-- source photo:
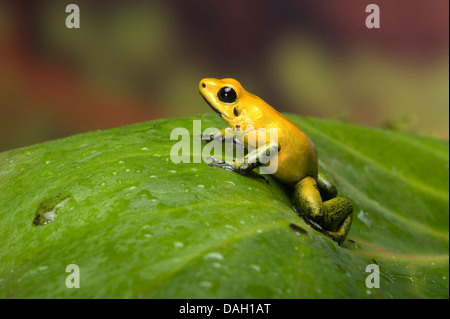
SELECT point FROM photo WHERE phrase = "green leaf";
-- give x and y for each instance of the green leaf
(138, 225)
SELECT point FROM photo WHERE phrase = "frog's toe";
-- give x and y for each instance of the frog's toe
(340, 235)
(222, 164)
(206, 138)
(255, 174)
(214, 160)
(239, 168)
(263, 178)
(218, 163)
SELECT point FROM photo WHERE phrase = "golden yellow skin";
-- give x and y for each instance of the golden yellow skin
(297, 157)
(313, 194)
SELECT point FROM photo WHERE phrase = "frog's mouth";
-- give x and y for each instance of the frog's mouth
(210, 105)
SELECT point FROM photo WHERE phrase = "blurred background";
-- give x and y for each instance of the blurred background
(133, 61)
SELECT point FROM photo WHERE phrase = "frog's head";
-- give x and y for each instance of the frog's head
(228, 98)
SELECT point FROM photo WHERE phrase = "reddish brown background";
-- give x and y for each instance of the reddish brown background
(134, 61)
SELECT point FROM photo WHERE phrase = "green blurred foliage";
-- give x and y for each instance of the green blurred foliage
(363, 86)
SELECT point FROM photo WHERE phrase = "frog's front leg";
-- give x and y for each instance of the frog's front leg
(334, 216)
(225, 135)
(250, 161)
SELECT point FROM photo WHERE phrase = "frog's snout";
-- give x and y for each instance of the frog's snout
(207, 84)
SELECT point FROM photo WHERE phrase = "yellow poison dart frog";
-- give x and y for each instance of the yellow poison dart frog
(313, 195)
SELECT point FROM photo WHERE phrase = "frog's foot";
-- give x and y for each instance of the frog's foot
(334, 216)
(220, 138)
(209, 137)
(335, 211)
(340, 235)
(221, 164)
(245, 169)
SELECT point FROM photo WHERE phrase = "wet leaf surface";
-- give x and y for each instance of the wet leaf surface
(140, 226)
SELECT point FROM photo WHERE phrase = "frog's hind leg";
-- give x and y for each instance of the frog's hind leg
(334, 216)
(326, 188)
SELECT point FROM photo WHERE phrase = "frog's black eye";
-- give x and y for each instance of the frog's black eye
(227, 95)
